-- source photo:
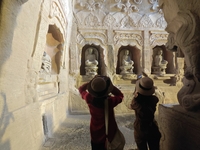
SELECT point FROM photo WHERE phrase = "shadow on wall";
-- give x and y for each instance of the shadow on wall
(7, 27)
(5, 117)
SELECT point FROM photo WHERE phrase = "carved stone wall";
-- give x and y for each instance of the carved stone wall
(113, 25)
(26, 96)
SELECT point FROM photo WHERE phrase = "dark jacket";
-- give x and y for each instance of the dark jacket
(145, 107)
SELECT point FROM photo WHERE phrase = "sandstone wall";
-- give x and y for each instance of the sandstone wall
(110, 26)
(31, 106)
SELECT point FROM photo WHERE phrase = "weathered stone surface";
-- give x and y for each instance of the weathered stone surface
(180, 128)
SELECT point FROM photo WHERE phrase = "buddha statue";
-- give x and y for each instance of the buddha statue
(126, 63)
(91, 61)
(159, 64)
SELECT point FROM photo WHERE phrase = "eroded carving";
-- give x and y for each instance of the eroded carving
(92, 21)
(46, 64)
(56, 12)
(184, 33)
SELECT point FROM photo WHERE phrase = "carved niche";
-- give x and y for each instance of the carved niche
(95, 67)
(134, 56)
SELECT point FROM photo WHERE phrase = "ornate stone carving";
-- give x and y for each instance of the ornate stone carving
(161, 23)
(110, 21)
(184, 33)
(92, 21)
(128, 7)
(56, 12)
(158, 38)
(100, 36)
(128, 36)
(91, 5)
(154, 4)
(146, 22)
(128, 22)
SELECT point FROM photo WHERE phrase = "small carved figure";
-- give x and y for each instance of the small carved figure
(159, 64)
(127, 63)
(91, 62)
(158, 59)
(91, 59)
(46, 63)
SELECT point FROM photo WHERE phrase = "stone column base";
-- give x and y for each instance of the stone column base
(180, 129)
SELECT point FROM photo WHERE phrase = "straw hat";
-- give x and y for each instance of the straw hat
(145, 86)
(100, 86)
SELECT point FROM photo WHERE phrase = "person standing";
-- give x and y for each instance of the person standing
(95, 93)
(146, 131)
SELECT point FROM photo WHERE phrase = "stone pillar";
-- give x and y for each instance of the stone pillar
(146, 59)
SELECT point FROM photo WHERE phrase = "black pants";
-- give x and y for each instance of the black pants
(98, 146)
(150, 138)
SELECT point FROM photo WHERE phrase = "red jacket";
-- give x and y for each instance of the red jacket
(97, 122)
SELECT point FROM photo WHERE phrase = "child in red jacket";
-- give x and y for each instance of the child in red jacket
(95, 93)
(144, 103)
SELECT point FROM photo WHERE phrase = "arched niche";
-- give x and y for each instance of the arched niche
(168, 56)
(99, 55)
(54, 48)
(135, 55)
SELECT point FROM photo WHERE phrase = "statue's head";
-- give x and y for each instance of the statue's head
(126, 51)
(159, 52)
(90, 50)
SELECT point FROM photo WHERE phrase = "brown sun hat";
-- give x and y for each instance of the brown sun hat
(145, 86)
(100, 86)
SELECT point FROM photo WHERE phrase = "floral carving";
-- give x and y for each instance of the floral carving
(128, 36)
(92, 21)
(146, 22)
(127, 22)
(128, 7)
(155, 38)
(155, 5)
(109, 21)
(92, 5)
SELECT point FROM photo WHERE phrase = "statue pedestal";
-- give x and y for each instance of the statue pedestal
(92, 70)
(159, 70)
(126, 70)
(180, 129)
